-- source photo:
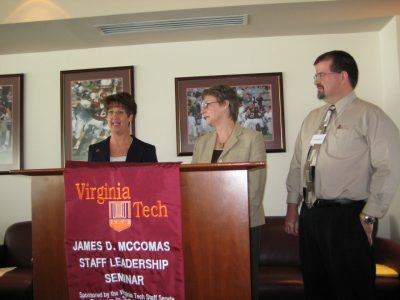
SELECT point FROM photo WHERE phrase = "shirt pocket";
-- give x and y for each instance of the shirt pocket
(345, 143)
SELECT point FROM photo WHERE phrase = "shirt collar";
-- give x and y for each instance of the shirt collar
(342, 103)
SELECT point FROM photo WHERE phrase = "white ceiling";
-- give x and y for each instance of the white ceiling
(56, 27)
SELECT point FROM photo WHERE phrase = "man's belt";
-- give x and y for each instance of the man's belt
(337, 202)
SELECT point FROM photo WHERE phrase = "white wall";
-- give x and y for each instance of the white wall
(156, 66)
(390, 54)
(15, 203)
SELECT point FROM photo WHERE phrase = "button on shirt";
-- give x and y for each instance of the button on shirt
(359, 158)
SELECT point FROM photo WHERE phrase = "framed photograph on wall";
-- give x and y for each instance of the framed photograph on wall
(83, 117)
(11, 122)
(261, 108)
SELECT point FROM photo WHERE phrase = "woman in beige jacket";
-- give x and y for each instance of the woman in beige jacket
(232, 143)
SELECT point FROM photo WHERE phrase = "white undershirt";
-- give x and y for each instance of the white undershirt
(117, 158)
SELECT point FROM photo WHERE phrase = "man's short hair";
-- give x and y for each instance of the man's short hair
(341, 61)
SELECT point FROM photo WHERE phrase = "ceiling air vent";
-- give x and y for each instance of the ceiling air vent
(202, 22)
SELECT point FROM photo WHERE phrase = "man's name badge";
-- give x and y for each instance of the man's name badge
(317, 139)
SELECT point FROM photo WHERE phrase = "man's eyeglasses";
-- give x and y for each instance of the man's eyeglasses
(322, 75)
(204, 105)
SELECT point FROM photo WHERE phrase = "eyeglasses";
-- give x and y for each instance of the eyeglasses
(117, 112)
(322, 75)
(204, 105)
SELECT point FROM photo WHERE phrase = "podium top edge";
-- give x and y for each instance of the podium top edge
(223, 166)
(183, 168)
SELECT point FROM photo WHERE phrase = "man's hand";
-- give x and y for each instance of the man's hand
(368, 228)
(292, 219)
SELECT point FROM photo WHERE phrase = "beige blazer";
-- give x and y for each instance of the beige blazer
(244, 145)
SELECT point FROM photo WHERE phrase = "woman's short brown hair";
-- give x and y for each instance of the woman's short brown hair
(123, 98)
(224, 92)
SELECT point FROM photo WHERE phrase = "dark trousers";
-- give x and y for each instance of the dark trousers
(255, 239)
(337, 260)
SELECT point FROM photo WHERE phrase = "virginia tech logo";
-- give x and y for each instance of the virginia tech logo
(119, 215)
(119, 202)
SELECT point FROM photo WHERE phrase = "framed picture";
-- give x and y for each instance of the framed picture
(11, 118)
(83, 117)
(261, 108)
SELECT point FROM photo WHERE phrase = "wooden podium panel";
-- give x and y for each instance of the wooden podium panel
(49, 265)
(215, 232)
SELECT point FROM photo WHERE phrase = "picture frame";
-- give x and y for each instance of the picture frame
(11, 122)
(83, 116)
(261, 97)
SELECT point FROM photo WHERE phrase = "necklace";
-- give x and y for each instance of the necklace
(220, 145)
(120, 149)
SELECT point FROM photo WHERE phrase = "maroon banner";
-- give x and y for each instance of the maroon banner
(123, 235)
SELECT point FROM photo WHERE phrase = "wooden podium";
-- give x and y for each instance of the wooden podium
(215, 231)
